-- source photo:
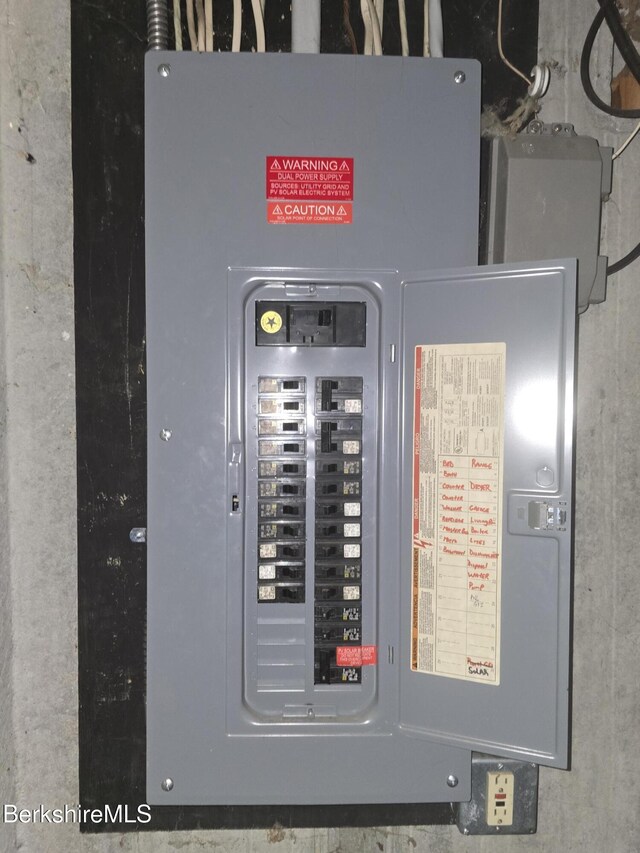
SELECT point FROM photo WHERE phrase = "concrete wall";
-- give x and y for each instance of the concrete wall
(7, 752)
(38, 563)
(592, 808)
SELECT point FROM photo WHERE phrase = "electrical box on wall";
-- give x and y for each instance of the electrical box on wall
(359, 444)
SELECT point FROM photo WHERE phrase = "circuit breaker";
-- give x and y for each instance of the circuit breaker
(359, 443)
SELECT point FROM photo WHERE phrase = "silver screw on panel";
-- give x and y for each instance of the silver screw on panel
(138, 534)
(557, 128)
(167, 784)
(165, 434)
(164, 70)
(459, 77)
(452, 781)
(535, 126)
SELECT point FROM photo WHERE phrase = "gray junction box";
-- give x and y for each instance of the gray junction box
(359, 467)
(546, 190)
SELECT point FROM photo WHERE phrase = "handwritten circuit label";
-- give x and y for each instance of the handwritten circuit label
(310, 190)
(356, 655)
(458, 458)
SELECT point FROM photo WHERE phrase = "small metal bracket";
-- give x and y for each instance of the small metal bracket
(471, 817)
(547, 515)
(537, 515)
(540, 128)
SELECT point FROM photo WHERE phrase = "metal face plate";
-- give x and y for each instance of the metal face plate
(473, 816)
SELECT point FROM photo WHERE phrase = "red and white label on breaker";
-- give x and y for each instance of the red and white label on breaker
(310, 190)
(356, 655)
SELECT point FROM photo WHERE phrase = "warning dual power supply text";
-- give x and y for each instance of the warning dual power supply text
(359, 442)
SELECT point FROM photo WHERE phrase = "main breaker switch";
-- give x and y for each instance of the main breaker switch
(311, 324)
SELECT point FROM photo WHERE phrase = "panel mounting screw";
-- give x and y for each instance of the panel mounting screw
(535, 126)
(165, 434)
(167, 784)
(500, 766)
(452, 781)
(557, 128)
(138, 534)
(459, 77)
(164, 70)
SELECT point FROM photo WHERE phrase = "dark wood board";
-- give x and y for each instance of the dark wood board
(108, 44)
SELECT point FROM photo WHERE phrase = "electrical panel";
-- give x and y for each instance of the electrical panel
(359, 443)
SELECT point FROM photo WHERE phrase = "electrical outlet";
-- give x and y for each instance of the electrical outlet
(500, 794)
(497, 780)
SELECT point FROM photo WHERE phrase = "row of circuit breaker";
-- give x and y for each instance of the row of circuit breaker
(335, 431)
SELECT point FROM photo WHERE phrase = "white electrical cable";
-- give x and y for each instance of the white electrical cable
(380, 13)
(627, 141)
(501, 52)
(436, 46)
(426, 51)
(305, 26)
(191, 25)
(404, 36)
(200, 11)
(208, 25)
(237, 25)
(177, 24)
(366, 20)
(258, 20)
(375, 29)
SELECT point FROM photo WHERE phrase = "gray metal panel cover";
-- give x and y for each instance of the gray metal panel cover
(210, 125)
(414, 135)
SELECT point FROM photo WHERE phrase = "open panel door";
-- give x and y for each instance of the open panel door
(486, 508)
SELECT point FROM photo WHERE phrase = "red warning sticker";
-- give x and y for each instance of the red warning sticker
(310, 212)
(310, 178)
(356, 655)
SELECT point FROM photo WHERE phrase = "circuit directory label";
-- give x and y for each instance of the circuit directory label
(458, 458)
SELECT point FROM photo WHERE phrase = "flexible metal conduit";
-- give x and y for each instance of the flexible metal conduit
(157, 25)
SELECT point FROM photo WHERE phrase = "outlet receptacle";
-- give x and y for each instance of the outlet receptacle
(500, 793)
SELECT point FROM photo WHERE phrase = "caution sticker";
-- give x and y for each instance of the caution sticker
(309, 213)
(271, 322)
(310, 190)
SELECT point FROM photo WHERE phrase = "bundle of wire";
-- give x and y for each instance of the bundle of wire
(200, 24)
